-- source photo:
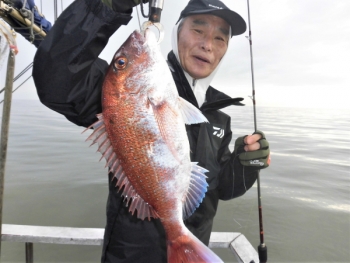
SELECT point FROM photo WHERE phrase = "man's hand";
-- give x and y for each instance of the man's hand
(253, 150)
(122, 5)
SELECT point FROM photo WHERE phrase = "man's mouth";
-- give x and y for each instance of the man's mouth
(202, 59)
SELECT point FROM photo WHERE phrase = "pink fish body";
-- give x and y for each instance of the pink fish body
(141, 133)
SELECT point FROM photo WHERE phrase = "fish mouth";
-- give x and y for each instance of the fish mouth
(139, 36)
(150, 37)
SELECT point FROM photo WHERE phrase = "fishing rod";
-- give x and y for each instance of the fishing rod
(262, 249)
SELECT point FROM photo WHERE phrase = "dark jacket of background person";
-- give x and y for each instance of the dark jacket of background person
(68, 76)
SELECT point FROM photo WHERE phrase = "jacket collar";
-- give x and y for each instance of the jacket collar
(215, 100)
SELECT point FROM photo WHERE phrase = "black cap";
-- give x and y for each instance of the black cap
(216, 8)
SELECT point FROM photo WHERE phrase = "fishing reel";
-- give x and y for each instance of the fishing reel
(155, 11)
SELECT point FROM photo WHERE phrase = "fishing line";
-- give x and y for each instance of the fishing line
(246, 224)
(138, 17)
(143, 12)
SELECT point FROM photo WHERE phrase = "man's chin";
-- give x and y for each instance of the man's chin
(197, 75)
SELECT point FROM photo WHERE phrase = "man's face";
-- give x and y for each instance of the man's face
(202, 42)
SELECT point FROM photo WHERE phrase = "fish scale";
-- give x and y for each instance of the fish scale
(139, 137)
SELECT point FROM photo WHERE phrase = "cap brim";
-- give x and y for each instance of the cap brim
(237, 23)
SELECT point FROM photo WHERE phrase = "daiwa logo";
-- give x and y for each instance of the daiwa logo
(217, 7)
(218, 132)
(256, 162)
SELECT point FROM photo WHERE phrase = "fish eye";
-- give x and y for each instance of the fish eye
(120, 63)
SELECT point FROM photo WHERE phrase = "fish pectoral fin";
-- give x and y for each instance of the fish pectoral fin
(164, 116)
(196, 191)
(190, 113)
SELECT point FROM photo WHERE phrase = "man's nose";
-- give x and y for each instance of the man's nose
(207, 44)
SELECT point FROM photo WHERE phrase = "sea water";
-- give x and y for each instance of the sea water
(53, 178)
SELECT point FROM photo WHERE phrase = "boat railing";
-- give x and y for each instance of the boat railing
(27, 234)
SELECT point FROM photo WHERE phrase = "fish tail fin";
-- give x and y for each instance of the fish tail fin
(189, 249)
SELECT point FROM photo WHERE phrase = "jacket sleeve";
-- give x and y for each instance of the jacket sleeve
(67, 72)
(234, 178)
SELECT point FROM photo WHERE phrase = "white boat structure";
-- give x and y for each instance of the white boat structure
(236, 242)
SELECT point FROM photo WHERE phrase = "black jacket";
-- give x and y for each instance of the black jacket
(68, 76)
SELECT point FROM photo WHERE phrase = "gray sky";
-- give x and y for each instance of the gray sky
(300, 48)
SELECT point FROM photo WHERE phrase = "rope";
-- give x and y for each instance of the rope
(17, 87)
(24, 4)
(18, 76)
(23, 71)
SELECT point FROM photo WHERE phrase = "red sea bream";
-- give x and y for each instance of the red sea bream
(141, 133)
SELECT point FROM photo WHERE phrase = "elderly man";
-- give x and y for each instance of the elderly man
(68, 75)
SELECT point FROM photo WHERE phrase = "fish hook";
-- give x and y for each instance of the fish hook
(155, 11)
(159, 26)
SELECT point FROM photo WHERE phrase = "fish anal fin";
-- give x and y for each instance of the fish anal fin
(144, 210)
(196, 191)
(190, 113)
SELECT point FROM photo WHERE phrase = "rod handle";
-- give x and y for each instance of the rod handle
(262, 251)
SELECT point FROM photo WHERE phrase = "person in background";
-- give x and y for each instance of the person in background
(68, 76)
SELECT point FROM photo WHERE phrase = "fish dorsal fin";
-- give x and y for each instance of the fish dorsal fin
(190, 113)
(196, 191)
(100, 136)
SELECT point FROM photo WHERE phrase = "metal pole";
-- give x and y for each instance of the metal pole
(262, 249)
(5, 127)
(55, 8)
(29, 253)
